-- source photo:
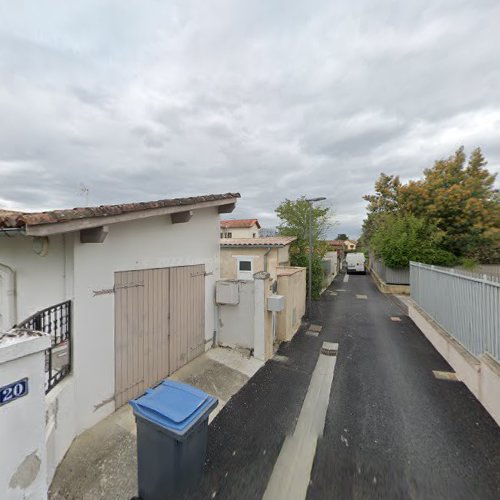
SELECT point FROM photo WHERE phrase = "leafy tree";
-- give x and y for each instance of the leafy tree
(402, 238)
(387, 195)
(294, 217)
(300, 257)
(342, 237)
(459, 198)
(294, 221)
(385, 200)
(456, 197)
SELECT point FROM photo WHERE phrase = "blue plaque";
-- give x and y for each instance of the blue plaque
(13, 391)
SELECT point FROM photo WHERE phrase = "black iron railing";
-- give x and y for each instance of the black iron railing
(56, 321)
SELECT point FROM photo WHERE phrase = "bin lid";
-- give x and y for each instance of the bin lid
(173, 405)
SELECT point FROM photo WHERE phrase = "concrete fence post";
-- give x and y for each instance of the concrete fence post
(262, 335)
(22, 415)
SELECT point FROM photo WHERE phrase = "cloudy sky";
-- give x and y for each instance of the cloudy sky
(139, 100)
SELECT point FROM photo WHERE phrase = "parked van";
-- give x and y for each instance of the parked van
(355, 263)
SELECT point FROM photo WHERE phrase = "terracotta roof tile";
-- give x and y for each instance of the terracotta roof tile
(274, 241)
(244, 223)
(14, 219)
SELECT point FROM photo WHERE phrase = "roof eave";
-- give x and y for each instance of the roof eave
(243, 245)
(91, 222)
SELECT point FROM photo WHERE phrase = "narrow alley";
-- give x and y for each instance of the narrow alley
(393, 430)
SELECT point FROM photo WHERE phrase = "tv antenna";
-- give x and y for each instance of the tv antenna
(84, 191)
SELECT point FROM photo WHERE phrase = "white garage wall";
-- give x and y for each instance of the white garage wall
(145, 244)
(40, 281)
(72, 270)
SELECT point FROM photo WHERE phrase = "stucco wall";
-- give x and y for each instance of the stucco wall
(284, 256)
(72, 270)
(276, 257)
(291, 284)
(145, 244)
(60, 424)
(228, 261)
(248, 324)
(22, 422)
(236, 322)
(241, 232)
(40, 281)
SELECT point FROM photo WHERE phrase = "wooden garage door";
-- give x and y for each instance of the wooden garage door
(187, 314)
(159, 325)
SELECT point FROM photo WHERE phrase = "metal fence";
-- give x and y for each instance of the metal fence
(465, 304)
(390, 275)
(56, 321)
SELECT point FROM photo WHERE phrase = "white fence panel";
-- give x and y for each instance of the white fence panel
(465, 304)
(390, 275)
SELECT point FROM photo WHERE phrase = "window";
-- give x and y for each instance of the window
(244, 268)
(229, 235)
(245, 265)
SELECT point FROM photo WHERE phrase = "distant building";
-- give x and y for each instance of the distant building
(350, 245)
(241, 258)
(337, 245)
(342, 246)
(242, 228)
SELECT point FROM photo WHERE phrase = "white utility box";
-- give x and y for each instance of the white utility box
(227, 292)
(276, 303)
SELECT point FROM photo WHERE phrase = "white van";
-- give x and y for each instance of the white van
(355, 263)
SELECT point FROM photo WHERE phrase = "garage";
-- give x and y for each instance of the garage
(159, 325)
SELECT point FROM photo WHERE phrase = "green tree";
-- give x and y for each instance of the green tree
(342, 237)
(386, 199)
(400, 239)
(459, 198)
(294, 221)
(456, 197)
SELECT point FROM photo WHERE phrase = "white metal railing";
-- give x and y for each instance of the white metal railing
(465, 304)
(390, 275)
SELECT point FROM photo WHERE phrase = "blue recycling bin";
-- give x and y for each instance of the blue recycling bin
(172, 428)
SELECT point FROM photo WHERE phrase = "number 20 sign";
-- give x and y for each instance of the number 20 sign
(13, 391)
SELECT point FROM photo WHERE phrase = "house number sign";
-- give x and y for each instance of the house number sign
(13, 391)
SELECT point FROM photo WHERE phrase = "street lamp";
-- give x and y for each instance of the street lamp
(309, 295)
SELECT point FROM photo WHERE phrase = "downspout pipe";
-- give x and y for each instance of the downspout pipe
(265, 258)
(11, 318)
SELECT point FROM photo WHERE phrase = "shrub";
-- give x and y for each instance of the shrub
(399, 239)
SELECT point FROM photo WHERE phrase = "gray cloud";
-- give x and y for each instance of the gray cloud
(273, 99)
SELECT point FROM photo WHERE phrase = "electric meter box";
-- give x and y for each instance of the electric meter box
(276, 303)
(227, 292)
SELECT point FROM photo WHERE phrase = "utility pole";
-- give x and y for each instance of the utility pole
(309, 294)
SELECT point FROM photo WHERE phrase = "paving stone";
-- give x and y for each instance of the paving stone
(311, 333)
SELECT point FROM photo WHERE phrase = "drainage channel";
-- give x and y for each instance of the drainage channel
(292, 470)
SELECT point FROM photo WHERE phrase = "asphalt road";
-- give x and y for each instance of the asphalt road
(392, 429)
(245, 438)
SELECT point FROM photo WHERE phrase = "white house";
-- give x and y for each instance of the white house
(239, 228)
(126, 292)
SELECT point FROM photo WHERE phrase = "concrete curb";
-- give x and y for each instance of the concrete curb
(480, 374)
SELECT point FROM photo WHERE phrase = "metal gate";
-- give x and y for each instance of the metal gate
(159, 325)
